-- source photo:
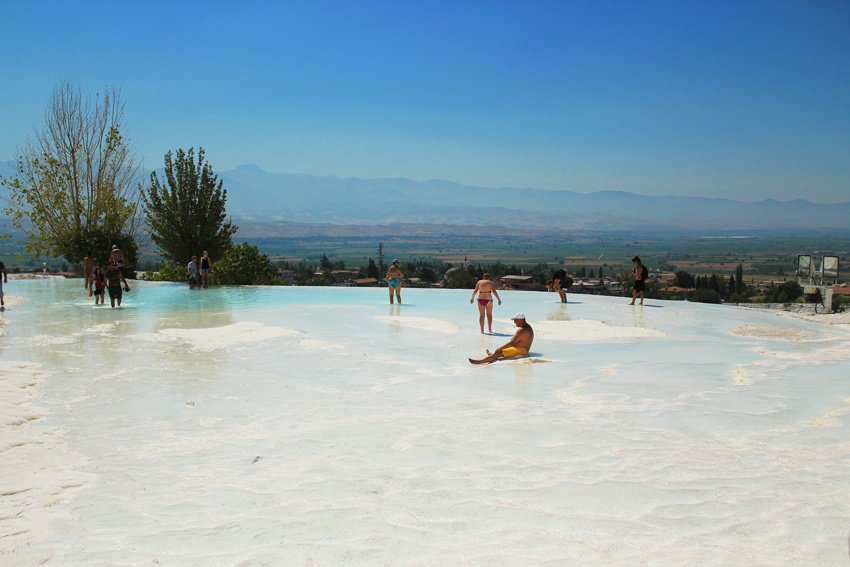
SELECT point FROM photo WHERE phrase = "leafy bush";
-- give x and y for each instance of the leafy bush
(243, 264)
(784, 293)
(704, 295)
(840, 303)
(167, 273)
(459, 278)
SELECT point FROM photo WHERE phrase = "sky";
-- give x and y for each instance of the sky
(746, 99)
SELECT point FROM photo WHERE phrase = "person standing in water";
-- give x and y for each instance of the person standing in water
(394, 276)
(192, 270)
(114, 279)
(205, 269)
(485, 290)
(3, 279)
(518, 346)
(641, 273)
(98, 285)
(88, 274)
(559, 280)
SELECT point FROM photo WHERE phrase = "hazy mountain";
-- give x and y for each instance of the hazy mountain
(254, 194)
(259, 198)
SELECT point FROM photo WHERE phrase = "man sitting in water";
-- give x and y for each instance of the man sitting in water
(517, 346)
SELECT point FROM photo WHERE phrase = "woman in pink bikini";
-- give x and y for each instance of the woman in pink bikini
(486, 290)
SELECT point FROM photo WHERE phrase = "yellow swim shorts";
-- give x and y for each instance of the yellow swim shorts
(511, 352)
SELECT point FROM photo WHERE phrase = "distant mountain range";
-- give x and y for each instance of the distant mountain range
(260, 198)
(254, 194)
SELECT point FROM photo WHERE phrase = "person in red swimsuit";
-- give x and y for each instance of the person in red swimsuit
(485, 290)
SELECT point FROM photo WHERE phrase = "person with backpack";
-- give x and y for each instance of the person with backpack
(641, 273)
(560, 284)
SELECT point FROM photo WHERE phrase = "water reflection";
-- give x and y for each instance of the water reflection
(559, 313)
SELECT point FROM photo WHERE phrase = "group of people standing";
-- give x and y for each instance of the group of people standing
(199, 271)
(520, 343)
(100, 280)
(485, 289)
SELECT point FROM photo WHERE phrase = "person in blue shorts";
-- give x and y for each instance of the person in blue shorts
(394, 277)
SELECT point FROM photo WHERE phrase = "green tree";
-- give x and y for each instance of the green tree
(739, 279)
(704, 295)
(77, 183)
(243, 264)
(97, 243)
(427, 274)
(372, 270)
(684, 279)
(785, 292)
(713, 283)
(187, 214)
(459, 278)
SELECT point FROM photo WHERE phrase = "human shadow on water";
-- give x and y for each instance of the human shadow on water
(498, 334)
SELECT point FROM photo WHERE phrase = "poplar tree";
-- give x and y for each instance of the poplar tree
(186, 214)
(739, 279)
(372, 270)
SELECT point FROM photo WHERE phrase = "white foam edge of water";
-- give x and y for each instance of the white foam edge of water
(213, 338)
(421, 323)
(590, 330)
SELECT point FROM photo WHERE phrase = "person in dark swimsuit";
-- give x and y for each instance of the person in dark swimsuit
(205, 269)
(641, 273)
(486, 289)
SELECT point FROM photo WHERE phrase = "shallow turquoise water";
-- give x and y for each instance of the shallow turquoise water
(324, 426)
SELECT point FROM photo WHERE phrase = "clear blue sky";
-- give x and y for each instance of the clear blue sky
(739, 99)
